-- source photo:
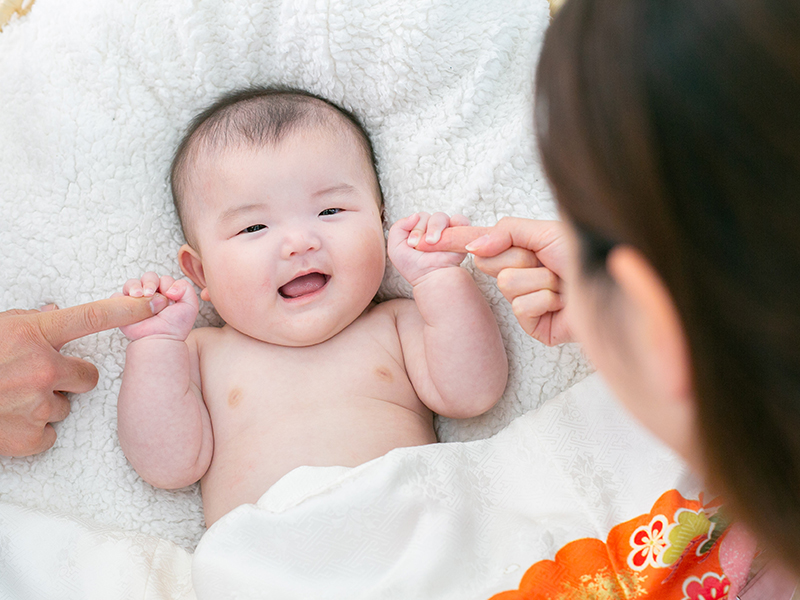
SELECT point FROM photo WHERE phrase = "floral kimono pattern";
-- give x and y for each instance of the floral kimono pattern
(681, 550)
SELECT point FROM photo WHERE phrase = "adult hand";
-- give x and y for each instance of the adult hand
(34, 376)
(528, 258)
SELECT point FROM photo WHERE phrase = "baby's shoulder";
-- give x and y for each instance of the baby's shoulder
(393, 308)
(396, 317)
(205, 332)
(205, 337)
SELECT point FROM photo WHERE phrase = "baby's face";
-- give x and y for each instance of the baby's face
(290, 237)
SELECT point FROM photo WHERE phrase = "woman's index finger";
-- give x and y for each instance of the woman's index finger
(454, 239)
(530, 234)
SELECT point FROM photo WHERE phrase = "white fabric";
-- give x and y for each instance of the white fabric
(458, 521)
(300, 484)
(454, 521)
(49, 556)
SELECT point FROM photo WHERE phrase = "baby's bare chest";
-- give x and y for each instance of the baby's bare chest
(358, 372)
(344, 402)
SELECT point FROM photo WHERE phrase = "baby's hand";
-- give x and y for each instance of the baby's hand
(406, 233)
(176, 320)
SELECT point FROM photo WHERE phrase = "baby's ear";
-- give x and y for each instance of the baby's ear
(192, 266)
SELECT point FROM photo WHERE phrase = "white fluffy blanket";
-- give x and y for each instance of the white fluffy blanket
(93, 99)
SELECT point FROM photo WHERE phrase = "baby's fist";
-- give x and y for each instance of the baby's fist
(176, 320)
(406, 233)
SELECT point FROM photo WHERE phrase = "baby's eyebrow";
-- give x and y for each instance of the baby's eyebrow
(339, 188)
(237, 210)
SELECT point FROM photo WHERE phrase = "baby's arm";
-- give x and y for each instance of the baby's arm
(451, 342)
(164, 426)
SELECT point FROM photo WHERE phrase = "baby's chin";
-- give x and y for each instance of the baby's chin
(295, 337)
(297, 341)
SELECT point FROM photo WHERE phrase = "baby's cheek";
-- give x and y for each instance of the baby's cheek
(374, 256)
(237, 292)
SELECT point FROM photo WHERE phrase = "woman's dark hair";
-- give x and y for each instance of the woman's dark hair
(674, 126)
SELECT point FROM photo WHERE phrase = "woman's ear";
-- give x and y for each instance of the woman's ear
(661, 337)
(192, 266)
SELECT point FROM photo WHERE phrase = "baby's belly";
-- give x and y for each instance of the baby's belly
(251, 454)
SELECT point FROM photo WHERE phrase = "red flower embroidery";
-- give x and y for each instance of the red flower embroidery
(711, 587)
(648, 543)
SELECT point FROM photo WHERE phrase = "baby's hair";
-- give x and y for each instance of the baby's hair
(256, 117)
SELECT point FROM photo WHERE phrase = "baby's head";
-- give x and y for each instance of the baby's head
(279, 200)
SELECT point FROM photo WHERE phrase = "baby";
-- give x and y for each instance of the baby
(281, 208)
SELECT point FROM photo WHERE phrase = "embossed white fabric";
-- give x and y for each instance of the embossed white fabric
(456, 521)
(50, 556)
(459, 521)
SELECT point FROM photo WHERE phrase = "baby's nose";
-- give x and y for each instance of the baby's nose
(299, 241)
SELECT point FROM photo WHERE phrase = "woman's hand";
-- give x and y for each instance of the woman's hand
(34, 375)
(528, 258)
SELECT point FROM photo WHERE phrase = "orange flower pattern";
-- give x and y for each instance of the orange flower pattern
(671, 553)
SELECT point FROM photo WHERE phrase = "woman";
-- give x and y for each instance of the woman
(670, 131)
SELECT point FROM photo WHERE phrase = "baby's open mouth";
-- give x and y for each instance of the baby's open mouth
(304, 285)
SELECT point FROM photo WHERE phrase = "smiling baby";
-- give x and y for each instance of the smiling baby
(281, 207)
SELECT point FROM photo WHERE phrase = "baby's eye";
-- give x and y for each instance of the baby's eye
(330, 211)
(253, 228)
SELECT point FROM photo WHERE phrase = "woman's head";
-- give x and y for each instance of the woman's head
(670, 131)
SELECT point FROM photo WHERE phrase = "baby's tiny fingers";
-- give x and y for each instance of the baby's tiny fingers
(177, 289)
(436, 224)
(518, 282)
(182, 291)
(459, 221)
(150, 283)
(133, 287)
(407, 223)
(419, 229)
(165, 283)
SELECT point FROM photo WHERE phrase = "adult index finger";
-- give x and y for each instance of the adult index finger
(517, 232)
(61, 326)
(454, 239)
